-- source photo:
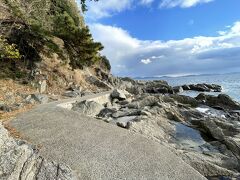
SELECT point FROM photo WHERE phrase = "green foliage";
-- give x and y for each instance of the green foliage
(8, 51)
(45, 19)
(65, 26)
(106, 62)
(84, 51)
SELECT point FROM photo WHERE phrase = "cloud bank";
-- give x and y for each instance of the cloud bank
(130, 56)
(106, 8)
(182, 3)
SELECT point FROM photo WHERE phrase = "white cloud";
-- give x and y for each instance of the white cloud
(146, 2)
(129, 55)
(146, 61)
(105, 8)
(182, 3)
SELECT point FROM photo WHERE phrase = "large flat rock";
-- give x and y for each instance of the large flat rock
(97, 150)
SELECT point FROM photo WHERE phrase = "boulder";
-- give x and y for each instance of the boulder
(107, 112)
(143, 102)
(186, 87)
(214, 87)
(199, 87)
(222, 100)
(73, 94)
(124, 124)
(159, 86)
(126, 112)
(118, 94)
(40, 98)
(203, 87)
(177, 89)
(37, 98)
(89, 108)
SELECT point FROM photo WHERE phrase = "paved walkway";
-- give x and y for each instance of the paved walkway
(98, 150)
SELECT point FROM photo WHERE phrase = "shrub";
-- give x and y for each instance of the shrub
(8, 51)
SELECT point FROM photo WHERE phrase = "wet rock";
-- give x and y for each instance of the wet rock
(186, 88)
(199, 87)
(90, 108)
(214, 87)
(177, 89)
(203, 87)
(222, 100)
(118, 94)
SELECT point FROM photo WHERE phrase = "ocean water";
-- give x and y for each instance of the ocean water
(229, 82)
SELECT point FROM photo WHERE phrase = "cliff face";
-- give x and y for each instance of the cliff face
(53, 44)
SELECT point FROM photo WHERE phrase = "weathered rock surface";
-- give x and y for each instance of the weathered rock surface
(203, 87)
(37, 98)
(178, 89)
(222, 100)
(118, 94)
(101, 84)
(73, 94)
(185, 100)
(90, 108)
(19, 160)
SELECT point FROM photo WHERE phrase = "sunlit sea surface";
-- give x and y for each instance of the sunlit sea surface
(229, 82)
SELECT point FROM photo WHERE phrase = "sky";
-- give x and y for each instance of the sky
(146, 38)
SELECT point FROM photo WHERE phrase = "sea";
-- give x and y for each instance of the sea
(229, 82)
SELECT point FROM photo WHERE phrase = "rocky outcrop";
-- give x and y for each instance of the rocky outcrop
(178, 89)
(203, 87)
(19, 160)
(37, 98)
(222, 100)
(99, 83)
(185, 100)
(90, 108)
(118, 94)
(159, 86)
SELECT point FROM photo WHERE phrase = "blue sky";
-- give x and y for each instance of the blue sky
(168, 37)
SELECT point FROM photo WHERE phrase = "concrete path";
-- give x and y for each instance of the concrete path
(98, 150)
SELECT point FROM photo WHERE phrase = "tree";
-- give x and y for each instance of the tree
(84, 51)
(84, 6)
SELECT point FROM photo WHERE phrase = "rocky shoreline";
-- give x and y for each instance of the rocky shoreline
(204, 131)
